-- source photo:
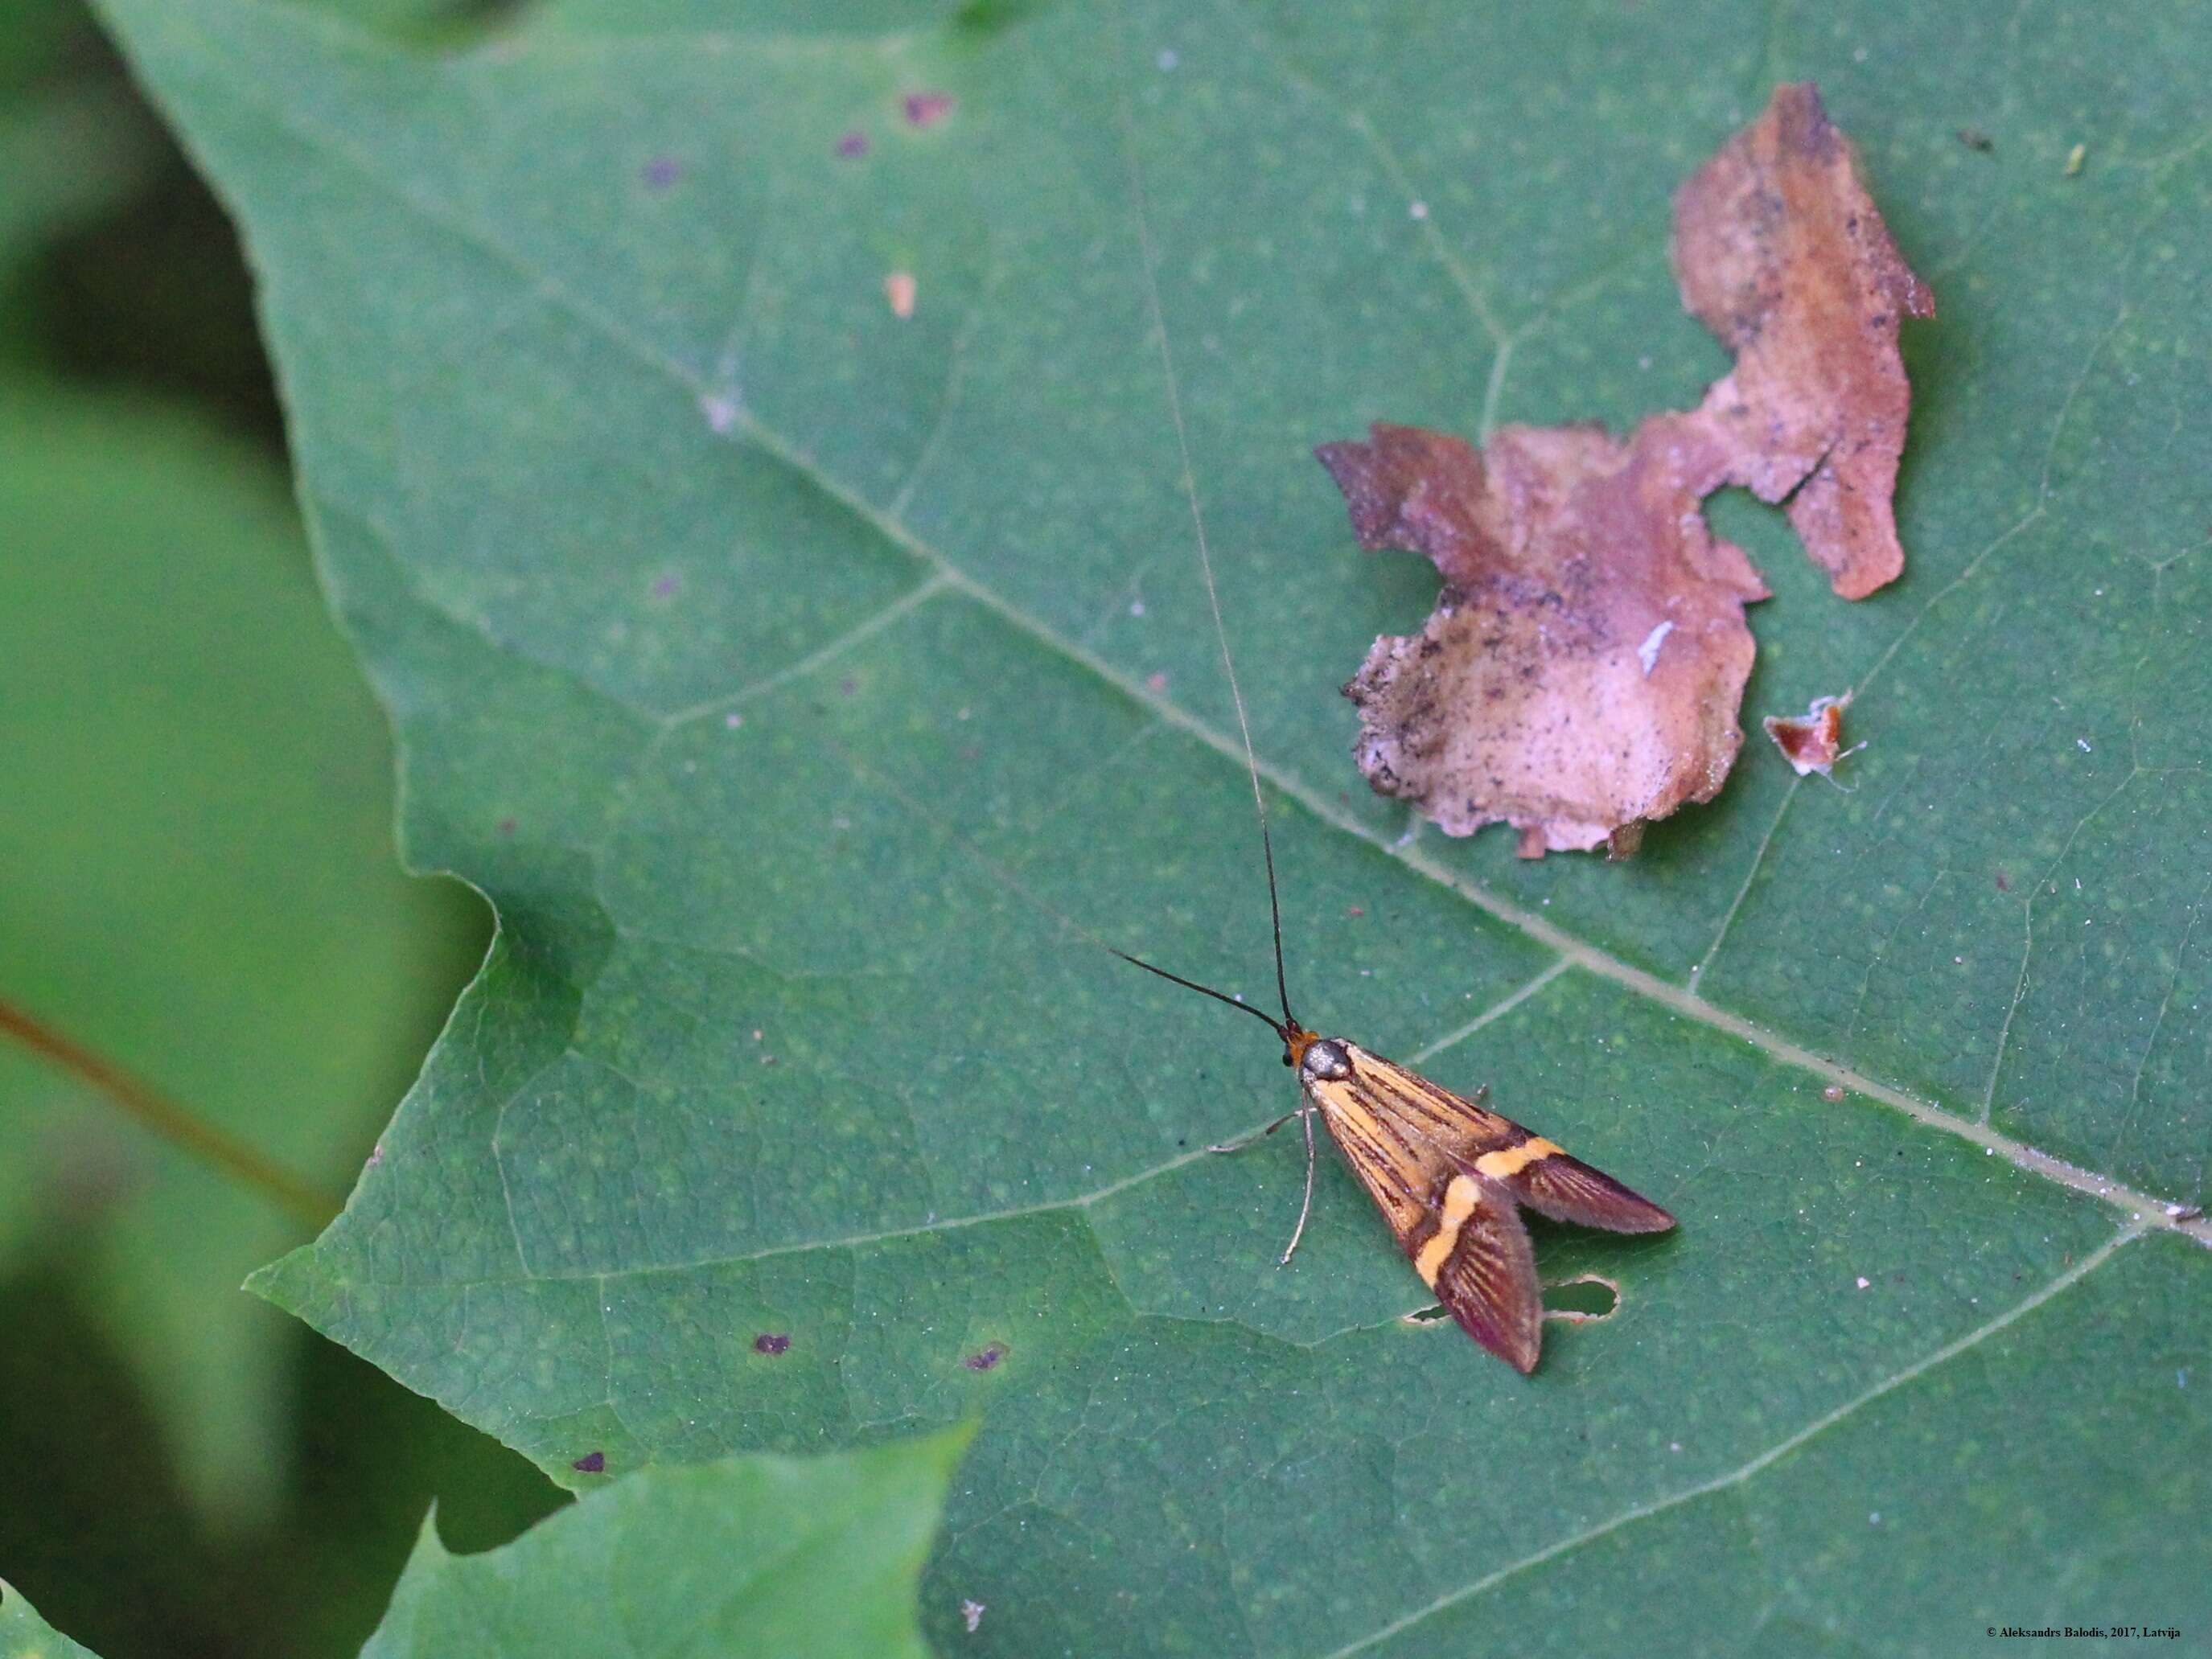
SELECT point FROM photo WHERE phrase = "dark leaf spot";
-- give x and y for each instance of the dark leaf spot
(926, 109)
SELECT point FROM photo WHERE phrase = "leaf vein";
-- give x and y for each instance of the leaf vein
(1744, 1473)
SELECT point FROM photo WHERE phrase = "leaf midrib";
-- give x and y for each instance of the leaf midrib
(547, 286)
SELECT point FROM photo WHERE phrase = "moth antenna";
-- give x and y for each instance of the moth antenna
(1274, 904)
(1237, 1003)
(1204, 551)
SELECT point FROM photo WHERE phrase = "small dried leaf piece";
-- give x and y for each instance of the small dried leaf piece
(1813, 742)
(1583, 671)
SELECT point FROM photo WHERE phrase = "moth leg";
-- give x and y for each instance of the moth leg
(1306, 1208)
(1243, 1141)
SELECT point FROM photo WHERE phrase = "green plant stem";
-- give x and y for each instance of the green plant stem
(174, 1123)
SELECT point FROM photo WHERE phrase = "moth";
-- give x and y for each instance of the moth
(1450, 1176)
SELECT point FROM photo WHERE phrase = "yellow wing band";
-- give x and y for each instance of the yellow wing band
(1509, 1161)
(1461, 1199)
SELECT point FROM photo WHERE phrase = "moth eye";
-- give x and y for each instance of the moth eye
(1288, 1060)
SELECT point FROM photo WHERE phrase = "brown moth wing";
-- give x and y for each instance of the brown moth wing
(1404, 1137)
(1469, 1137)
(1567, 1189)
(1478, 1263)
(1413, 1145)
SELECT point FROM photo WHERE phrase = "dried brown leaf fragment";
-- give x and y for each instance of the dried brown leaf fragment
(1779, 250)
(1813, 741)
(1583, 669)
(1582, 672)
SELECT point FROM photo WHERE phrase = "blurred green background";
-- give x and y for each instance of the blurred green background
(198, 883)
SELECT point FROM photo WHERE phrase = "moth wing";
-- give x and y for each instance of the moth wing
(1401, 1173)
(1449, 1176)
(1481, 1142)
(1488, 1277)
(1414, 1146)
(1567, 1189)
(1447, 1132)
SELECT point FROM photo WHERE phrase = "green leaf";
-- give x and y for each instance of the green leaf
(817, 1556)
(24, 1635)
(786, 671)
(201, 889)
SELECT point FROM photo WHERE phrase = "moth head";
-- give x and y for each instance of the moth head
(1325, 1060)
